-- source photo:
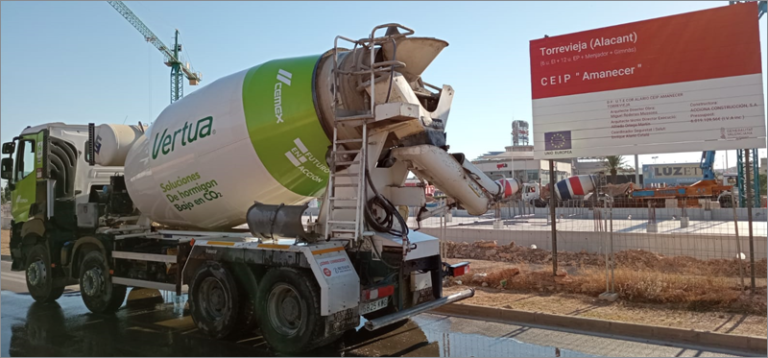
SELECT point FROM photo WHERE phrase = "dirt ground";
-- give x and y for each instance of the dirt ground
(590, 307)
(5, 241)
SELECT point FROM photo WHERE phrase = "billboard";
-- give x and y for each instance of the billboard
(682, 83)
(672, 174)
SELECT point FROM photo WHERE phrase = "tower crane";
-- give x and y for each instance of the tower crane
(178, 70)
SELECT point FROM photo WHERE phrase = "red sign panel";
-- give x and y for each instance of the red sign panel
(716, 43)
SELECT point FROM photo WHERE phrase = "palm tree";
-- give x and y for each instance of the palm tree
(614, 163)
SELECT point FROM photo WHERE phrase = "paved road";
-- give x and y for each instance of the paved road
(145, 326)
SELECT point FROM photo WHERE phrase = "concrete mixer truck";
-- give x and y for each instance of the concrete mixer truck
(164, 206)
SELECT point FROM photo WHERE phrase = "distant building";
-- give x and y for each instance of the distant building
(517, 162)
(597, 165)
(520, 133)
(591, 165)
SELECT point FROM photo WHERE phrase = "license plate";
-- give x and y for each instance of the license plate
(369, 307)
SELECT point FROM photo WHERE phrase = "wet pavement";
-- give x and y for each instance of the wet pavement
(147, 326)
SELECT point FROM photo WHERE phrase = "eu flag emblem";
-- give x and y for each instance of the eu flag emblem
(557, 140)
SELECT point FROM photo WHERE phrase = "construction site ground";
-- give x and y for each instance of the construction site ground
(553, 298)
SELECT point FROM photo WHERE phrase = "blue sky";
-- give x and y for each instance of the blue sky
(81, 62)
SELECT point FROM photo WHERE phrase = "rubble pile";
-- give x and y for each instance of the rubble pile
(490, 250)
(640, 260)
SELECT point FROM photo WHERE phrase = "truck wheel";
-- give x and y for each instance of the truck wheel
(40, 275)
(96, 288)
(288, 303)
(214, 301)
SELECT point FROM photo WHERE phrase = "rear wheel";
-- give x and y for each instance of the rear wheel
(214, 300)
(289, 311)
(96, 288)
(39, 275)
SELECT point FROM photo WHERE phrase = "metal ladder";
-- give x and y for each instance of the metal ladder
(352, 229)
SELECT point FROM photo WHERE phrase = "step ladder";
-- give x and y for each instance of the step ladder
(356, 160)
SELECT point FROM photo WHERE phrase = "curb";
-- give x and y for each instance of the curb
(724, 342)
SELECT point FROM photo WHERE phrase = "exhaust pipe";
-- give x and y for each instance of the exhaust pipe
(377, 323)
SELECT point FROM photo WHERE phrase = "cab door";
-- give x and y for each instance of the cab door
(29, 161)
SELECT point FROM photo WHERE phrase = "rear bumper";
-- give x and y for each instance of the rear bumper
(404, 314)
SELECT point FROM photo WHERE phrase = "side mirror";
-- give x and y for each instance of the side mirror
(9, 147)
(7, 167)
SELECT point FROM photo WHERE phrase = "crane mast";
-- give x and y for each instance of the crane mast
(178, 70)
(762, 8)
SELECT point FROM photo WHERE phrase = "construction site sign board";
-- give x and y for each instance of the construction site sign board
(682, 83)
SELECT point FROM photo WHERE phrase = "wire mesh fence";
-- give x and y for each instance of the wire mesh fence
(673, 253)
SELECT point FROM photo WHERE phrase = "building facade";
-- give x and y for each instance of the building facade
(517, 162)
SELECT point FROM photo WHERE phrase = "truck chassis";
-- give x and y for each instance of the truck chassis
(301, 295)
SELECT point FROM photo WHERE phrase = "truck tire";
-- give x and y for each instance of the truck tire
(39, 275)
(214, 300)
(99, 294)
(288, 306)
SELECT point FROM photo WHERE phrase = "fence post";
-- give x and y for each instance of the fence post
(607, 259)
(610, 287)
(552, 204)
(610, 237)
(738, 239)
(748, 188)
(652, 227)
(443, 227)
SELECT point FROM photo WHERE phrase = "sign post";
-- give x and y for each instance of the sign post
(748, 188)
(552, 213)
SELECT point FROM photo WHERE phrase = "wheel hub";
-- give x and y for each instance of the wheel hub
(215, 302)
(37, 273)
(285, 310)
(290, 309)
(93, 281)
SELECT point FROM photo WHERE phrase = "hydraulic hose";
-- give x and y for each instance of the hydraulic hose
(390, 213)
(385, 224)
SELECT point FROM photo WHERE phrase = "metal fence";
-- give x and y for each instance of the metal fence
(675, 251)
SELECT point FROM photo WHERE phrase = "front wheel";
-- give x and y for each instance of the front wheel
(288, 306)
(39, 275)
(96, 288)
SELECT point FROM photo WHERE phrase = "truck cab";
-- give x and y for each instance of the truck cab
(48, 176)
(530, 192)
